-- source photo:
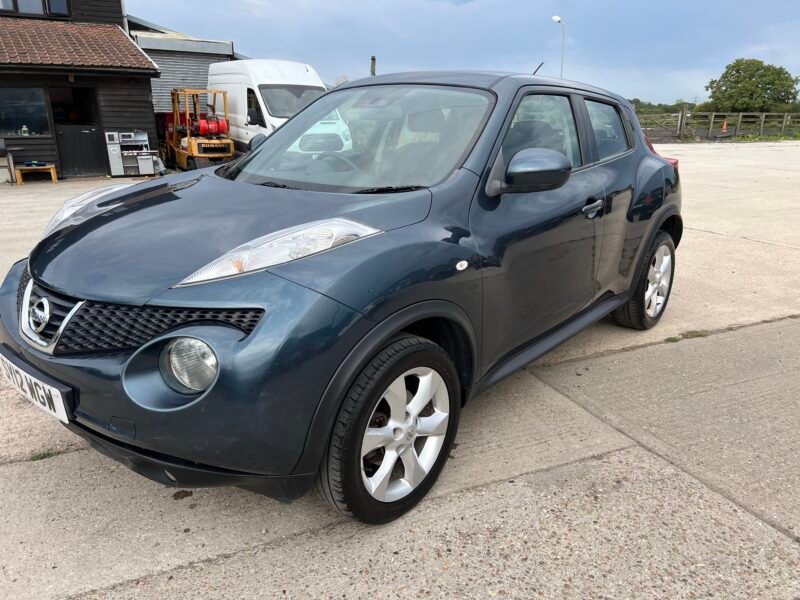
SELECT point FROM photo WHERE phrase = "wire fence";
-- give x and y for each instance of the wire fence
(719, 125)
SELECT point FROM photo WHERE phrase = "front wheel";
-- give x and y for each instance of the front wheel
(393, 433)
(649, 298)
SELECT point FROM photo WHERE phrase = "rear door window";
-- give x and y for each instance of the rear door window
(609, 132)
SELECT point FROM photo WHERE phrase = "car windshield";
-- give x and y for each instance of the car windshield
(283, 101)
(384, 138)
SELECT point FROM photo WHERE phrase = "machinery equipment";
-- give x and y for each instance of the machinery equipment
(129, 154)
(197, 139)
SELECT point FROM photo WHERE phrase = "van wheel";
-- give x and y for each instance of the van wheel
(649, 298)
(393, 433)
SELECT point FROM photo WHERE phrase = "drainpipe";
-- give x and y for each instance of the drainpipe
(125, 18)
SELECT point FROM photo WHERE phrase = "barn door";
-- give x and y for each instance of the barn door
(81, 145)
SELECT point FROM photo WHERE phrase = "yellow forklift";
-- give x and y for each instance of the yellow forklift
(197, 139)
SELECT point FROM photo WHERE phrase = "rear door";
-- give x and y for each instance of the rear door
(616, 160)
(539, 249)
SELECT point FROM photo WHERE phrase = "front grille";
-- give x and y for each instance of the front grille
(98, 326)
(102, 327)
(23, 284)
(60, 306)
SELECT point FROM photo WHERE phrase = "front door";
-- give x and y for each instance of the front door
(540, 250)
(81, 144)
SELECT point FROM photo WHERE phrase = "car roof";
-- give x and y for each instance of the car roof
(489, 80)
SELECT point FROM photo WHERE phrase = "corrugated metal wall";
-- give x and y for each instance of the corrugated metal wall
(179, 70)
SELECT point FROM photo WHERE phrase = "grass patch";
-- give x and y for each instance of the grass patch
(695, 334)
(43, 455)
(688, 335)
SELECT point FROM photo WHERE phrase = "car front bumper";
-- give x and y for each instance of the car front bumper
(174, 472)
(250, 429)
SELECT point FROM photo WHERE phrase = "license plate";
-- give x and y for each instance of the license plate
(46, 397)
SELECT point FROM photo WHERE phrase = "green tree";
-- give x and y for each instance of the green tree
(748, 84)
(643, 107)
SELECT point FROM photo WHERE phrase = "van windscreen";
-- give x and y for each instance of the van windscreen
(283, 101)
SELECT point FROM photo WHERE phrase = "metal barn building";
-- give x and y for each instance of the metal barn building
(182, 59)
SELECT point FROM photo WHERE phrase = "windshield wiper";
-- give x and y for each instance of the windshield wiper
(275, 184)
(390, 189)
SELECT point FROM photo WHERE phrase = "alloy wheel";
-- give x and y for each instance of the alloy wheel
(405, 434)
(659, 277)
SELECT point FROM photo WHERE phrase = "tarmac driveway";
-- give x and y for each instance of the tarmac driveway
(624, 464)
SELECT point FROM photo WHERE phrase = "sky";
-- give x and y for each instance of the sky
(655, 51)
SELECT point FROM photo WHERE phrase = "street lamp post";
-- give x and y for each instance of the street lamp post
(560, 21)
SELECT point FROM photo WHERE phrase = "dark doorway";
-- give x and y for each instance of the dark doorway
(81, 147)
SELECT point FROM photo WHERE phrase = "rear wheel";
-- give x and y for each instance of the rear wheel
(649, 298)
(393, 433)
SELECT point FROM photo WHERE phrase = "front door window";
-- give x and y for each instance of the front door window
(543, 121)
(252, 104)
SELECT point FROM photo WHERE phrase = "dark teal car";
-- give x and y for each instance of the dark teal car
(299, 318)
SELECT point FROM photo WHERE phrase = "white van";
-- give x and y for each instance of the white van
(264, 93)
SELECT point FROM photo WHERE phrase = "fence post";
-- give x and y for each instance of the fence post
(710, 125)
(761, 125)
(738, 125)
(682, 120)
(783, 124)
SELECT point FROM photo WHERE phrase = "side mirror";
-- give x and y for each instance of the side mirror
(256, 141)
(536, 170)
(252, 116)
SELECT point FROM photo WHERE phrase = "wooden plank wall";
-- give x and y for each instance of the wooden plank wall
(124, 104)
(96, 11)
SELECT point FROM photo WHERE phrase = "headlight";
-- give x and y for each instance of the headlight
(282, 246)
(68, 215)
(189, 365)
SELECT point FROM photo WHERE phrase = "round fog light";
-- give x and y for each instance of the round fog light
(189, 365)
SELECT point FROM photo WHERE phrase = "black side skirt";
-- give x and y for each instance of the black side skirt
(543, 344)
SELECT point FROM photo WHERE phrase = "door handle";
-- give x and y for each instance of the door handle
(590, 210)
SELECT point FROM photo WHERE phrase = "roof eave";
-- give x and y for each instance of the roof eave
(85, 70)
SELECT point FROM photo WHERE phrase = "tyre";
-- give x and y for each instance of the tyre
(169, 160)
(649, 298)
(393, 433)
(191, 164)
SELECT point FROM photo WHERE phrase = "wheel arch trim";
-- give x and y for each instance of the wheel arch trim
(669, 211)
(319, 431)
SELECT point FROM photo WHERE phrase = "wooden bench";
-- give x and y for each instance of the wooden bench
(19, 170)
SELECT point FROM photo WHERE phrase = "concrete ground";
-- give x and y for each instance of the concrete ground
(658, 464)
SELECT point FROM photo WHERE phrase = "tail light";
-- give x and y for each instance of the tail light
(672, 161)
